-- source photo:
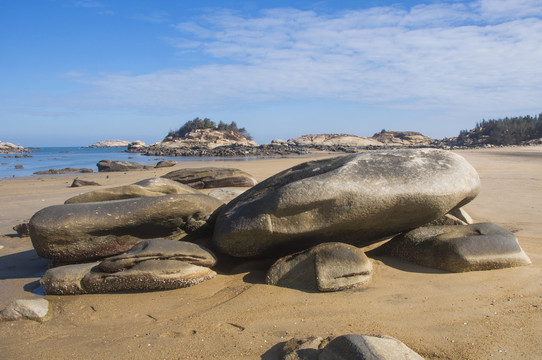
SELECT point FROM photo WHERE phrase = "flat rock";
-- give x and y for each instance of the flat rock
(358, 199)
(159, 249)
(483, 246)
(165, 163)
(361, 347)
(66, 280)
(30, 309)
(110, 165)
(144, 188)
(212, 177)
(225, 194)
(80, 182)
(326, 267)
(89, 231)
(63, 171)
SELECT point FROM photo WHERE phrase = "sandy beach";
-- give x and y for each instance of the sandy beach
(478, 315)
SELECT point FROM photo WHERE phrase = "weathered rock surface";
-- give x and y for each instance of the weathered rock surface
(356, 199)
(63, 171)
(30, 309)
(22, 229)
(80, 182)
(89, 231)
(110, 144)
(212, 177)
(165, 163)
(159, 249)
(225, 194)
(110, 166)
(144, 188)
(382, 347)
(483, 246)
(155, 264)
(326, 267)
(403, 138)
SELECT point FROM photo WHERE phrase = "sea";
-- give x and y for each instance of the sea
(71, 157)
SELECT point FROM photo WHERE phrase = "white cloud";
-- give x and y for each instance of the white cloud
(430, 56)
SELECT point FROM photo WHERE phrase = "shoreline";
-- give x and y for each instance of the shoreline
(439, 315)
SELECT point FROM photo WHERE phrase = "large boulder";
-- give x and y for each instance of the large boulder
(89, 231)
(110, 165)
(212, 177)
(326, 267)
(356, 199)
(148, 187)
(155, 264)
(457, 248)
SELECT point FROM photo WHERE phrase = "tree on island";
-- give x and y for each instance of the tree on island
(207, 123)
(507, 131)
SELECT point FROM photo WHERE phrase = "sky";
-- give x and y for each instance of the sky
(74, 72)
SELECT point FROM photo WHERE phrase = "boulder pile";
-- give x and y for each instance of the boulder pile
(311, 220)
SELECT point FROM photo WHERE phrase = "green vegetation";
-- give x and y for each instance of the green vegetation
(207, 123)
(507, 131)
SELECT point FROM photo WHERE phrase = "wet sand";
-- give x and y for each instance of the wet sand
(479, 315)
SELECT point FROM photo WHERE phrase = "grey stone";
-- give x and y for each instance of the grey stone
(90, 231)
(30, 309)
(326, 267)
(22, 229)
(482, 246)
(225, 194)
(212, 177)
(79, 183)
(159, 249)
(365, 347)
(66, 280)
(144, 188)
(165, 163)
(358, 199)
(110, 166)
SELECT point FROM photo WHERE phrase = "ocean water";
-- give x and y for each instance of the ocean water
(71, 157)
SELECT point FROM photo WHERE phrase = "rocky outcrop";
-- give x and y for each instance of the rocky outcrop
(356, 199)
(136, 146)
(211, 177)
(110, 166)
(403, 138)
(325, 267)
(110, 144)
(330, 140)
(144, 188)
(9, 148)
(89, 231)
(63, 171)
(457, 248)
(157, 264)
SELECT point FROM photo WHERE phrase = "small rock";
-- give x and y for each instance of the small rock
(31, 309)
(165, 163)
(379, 347)
(302, 349)
(22, 229)
(79, 183)
(109, 165)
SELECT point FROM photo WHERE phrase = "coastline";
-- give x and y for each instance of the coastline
(437, 314)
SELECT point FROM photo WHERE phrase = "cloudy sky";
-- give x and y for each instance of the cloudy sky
(78, 71)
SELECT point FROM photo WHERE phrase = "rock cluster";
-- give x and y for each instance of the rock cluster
(63, 171)
(311, 220)
(9, 148)
(110, 144)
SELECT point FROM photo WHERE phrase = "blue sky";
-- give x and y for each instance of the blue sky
(74, 72)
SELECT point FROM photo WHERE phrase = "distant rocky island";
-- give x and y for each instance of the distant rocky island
(110, 144)
(9, 148)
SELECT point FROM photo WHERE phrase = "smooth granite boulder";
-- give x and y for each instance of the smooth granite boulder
(110, 166)
(159, 249)
(144, 188)
(212, 177)
(165, 163)
(226, 194)
(365, 347)
(358, 199)
(456, 248)
(90, 231)
(326, 267)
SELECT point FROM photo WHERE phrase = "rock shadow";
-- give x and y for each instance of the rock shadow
(21, 265)
(274, 353)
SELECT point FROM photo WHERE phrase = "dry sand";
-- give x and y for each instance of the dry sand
(478, 315)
